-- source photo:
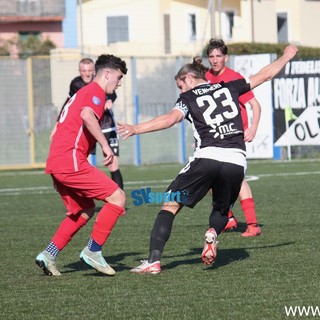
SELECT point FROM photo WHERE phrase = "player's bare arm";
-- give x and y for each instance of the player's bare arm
(272, 69)
(92, 124)
(53, 131)
(158, 123)
(251, 132)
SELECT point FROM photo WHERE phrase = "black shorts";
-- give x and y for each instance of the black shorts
(113, 141)
(200, 175)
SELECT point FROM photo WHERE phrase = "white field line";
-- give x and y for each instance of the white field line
(130, 185)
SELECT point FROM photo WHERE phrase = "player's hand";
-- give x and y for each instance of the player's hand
(290, 51)
(125, 130)
(108, 104)
(108, 156)
(249, 134)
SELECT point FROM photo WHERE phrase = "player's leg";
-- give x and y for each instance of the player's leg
(248, 208)
(114, 168)
(80, 210)
(232, 221)
(107, 190)
(160, 234)
(226, 188)
(192, 184)
(115, 172)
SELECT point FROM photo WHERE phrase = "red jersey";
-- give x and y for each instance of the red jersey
(72, 141)
(229, 75)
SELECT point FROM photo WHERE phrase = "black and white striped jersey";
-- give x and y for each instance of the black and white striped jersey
(214, 112)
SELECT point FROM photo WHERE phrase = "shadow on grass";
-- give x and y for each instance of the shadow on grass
(224, 257)
(114, 261)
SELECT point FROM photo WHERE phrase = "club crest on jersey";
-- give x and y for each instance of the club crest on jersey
(96, 100)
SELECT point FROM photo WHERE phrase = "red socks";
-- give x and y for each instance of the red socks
(249, 211)
(105, 221)
(67, 229)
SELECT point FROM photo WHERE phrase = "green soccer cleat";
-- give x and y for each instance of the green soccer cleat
(96, 261)
(46, 262)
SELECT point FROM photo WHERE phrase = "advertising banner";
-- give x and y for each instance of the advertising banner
(296, 97)
(262, 146)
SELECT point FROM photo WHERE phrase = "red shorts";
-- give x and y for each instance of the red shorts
(79, 189)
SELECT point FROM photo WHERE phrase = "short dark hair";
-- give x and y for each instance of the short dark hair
(216, 44)
(110, 61)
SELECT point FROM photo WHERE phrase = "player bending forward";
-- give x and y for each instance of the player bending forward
(219, 160)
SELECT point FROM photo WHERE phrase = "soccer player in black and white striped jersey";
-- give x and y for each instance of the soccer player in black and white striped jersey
(219, 159)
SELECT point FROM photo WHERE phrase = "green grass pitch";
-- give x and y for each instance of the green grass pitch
(252, 278)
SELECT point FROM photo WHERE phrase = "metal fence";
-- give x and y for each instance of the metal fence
(32, 92)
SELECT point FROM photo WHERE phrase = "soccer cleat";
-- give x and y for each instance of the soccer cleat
(209, 252)
(231, 224)
(147, 268)
(96, 261)
(253, 230)
(46, 262)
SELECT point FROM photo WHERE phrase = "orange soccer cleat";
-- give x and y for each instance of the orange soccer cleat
(253, 230)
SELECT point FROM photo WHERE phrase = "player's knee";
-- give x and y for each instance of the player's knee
(118, 198)
(87, 213)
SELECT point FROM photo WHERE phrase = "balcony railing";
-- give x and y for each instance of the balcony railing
(31, 8)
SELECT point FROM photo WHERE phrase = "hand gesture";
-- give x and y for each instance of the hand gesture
(125, 130)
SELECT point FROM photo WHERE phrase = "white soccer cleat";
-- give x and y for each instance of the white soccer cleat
(147, 268)
(209, 252)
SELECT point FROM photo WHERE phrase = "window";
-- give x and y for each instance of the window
(24, 35)
(282, 25)
(167, 37)
(117, 29)
(192, 27)
(28, 7)
(227, 23)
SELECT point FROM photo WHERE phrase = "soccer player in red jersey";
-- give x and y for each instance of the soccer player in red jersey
(108, 123)
(78, 182)
(217, 52)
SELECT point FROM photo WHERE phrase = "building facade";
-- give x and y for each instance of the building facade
(182, 27)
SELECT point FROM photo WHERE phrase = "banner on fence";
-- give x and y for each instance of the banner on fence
(262, 146)
(296, 95)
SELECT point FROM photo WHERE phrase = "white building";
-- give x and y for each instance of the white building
(182, 27)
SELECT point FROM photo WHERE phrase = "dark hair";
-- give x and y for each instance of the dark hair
(216, 44)
(110, 61)
(196, 68)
